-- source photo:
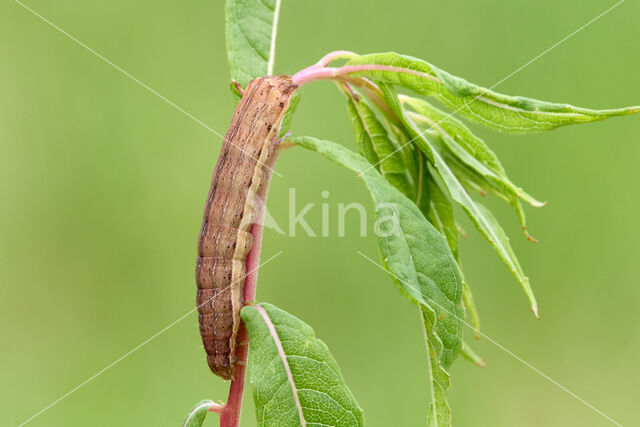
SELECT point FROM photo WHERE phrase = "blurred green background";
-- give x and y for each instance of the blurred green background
(103, 185)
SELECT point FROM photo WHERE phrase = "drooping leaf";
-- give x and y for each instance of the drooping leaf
(480, 216)
(439, 411)
(378, 147)
(195, 417)
(409, 152)
(430, 199)
(251, 27)
(469, 157)
(439, 212)
(502, 112)
(421, 263)
(296, 381)
(362, 138)
(461, 134)
(484, 221)
(468, 148)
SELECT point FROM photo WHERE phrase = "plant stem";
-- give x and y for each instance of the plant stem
(230, 415)
(217, 408)
(332, 56)
(319, 72)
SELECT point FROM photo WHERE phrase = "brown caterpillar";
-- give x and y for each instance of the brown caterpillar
(236, 198)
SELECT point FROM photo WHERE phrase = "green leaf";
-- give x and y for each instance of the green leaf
(295, 379)
(487, 225)
(468, 148)
(480, 216)
(196, 416)
(502, 112)
(484, 221)
(474, 162)
(378, 147)
(362, 138)
(251, 27)
(419, 259)
(472, 356)
(439, 378)
(288, 115)
(439, 211)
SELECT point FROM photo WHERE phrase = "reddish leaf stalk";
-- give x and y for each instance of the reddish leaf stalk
(332, 56)
(217, 408)
(319, 71)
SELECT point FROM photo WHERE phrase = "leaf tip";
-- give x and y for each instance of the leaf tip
(529, 236)
(534, 309)
(480, 362)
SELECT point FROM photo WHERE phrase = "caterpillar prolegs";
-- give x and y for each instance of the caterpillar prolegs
(236, 198)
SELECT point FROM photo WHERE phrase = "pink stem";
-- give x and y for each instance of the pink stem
(217, 408)
(332, 56)
(230, 416)
(316, 72)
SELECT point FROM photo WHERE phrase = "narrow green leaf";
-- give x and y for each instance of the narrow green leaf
(378, 147)
(472, 356)
(430, 199)
(439, 212)
(420, 260)
(440, 380)
(481, 217)
(466, 146)
(485, 222)
(288, 115)
(195, 417)
(362, 138)
(502, 112)
(296, 381)
(474, 162)
(251, 27)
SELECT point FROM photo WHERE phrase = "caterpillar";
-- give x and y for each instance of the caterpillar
(234, 203)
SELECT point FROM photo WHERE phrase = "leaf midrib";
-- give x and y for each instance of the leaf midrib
(283, 357)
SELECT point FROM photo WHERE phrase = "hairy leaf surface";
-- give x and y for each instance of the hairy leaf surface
(296, 381)
(250, 34)
(420, 260)
(502, 112)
